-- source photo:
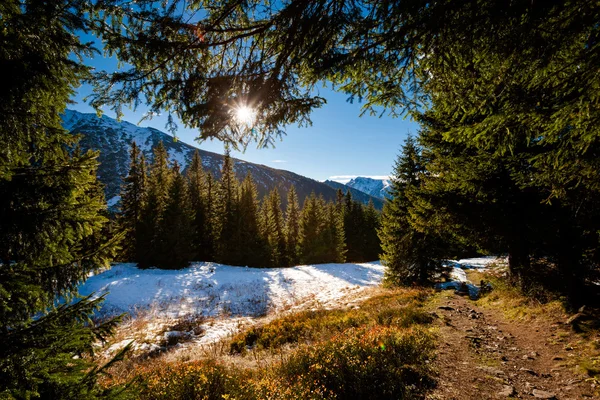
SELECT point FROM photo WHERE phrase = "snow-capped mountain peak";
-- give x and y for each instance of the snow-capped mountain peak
(374, 187)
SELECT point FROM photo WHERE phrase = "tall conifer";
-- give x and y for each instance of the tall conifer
(133, 199)
(227, 203)
(251, 247)
(407, 253)
(175, 248)
(372, 244)
(311, 226)
(353, 228)
(333, 236)
(159, 182)
(51, 209)
(199, 191)
(212, 222)
(275, 230)
(292, 228)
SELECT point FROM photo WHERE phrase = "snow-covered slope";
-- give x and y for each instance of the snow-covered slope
(228, 297)
(211, 288)
(113, 139)
(357, 195)
(374, 187)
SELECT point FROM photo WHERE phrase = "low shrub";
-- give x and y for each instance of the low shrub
(374, 363)
(393, 308)
(376, 351)
(205, 380)
(296, 328)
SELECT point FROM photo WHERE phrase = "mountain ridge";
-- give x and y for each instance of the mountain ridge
(378, 188)
(356, 194)
(113, 140)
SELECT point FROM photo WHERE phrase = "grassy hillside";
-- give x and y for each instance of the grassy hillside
(378, 350)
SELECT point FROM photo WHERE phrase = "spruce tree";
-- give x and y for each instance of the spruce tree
(292, 228)
(339, 199)
(200, 189)
(133, 195)
(263, 218)
(252, 248)
(159, 182)
(275, 230)
(407, 253)
(175, 246)
(212, 221)
(353, 228)
(311, 225)
(227, 206)
(371, 242)
(52, 210)
(322, 232)
(333, 236)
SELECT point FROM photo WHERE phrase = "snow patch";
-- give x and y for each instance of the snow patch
(113, 201)
(230, 297)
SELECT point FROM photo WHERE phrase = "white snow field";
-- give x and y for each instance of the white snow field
(213, 289)
(230, 298)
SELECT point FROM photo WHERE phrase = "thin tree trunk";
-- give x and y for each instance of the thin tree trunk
(519, 262)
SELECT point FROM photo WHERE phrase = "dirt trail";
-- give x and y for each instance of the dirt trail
(482, 355)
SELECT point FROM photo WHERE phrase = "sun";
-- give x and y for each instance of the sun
(245, 115)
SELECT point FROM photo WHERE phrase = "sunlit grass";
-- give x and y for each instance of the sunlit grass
(379, 348)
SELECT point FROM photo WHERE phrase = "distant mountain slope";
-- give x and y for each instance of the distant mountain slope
(373, 187)
(356, 194)
(113, 140)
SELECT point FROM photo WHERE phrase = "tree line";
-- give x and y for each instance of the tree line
(171, 218)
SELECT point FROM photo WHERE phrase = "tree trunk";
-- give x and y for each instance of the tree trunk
(519, 262)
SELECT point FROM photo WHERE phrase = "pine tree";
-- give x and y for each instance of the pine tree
(212, 222)
(372, 244)
(322, 236)
(227, 204)
(339, 199)
(200, 188)
(263, 225)
(353, 228)
(407, 253)
(159, 182)
(478, 202)
(275, 230)
(292, 228)
(175, 247)
(311, 225)
(251, 247)
(132, 203)
(333, 236)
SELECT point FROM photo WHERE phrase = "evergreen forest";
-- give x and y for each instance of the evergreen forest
(171, 218)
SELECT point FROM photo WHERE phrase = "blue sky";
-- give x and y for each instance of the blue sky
(339, 143)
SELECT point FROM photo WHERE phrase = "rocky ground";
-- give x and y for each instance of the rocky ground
(484, 355)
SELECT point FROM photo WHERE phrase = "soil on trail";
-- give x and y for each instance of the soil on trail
(482, 355)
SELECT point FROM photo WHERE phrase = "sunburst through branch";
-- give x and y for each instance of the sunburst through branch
(245, 115)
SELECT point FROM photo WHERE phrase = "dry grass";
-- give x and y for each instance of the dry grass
(377, 339)
(515, 304)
